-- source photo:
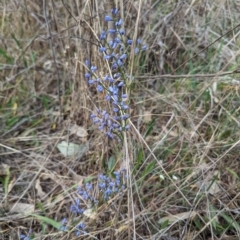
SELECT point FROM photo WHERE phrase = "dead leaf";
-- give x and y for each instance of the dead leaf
(54, 126)
(147, 116)
(14, 108)
(120, 229)
(78, 131)
(47, 65)
(47, 175)
(71, 149)
(22, 208)
(153, 138)
(4, 170)
(171, 133)
(79, 179)
(51, 202)
(38, 187)
(11, 184)
(178, 217)
(90, 213)
(209, 184)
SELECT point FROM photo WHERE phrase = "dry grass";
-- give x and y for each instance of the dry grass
(182, 150)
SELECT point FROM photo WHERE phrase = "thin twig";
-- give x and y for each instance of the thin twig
(211, 75)
(53, 54)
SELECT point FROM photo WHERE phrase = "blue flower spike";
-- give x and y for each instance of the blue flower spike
(115, 51)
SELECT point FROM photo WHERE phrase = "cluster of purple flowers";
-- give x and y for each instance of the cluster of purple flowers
(80, 229)
(107, 186)
(114, 48)
(26, 237)
(85, 192)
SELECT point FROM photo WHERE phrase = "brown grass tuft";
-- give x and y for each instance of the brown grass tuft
(181, 153)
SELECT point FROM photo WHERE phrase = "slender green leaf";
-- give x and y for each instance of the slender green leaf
(150, 127)
(47, 220)
(139, 160)
(111, 163)
(231, 222)
(16, 40)
(4, 54)
(164, 224)
(233, 173)
(213, 214)
(6, 181)
(148, 169)
(89, 179)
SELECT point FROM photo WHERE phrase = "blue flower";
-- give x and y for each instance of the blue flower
(64, 227)
(124, 56)
(107, 57)
(115, 125)
(110, 135)
(114, 11)
(102, 49)
(93, 68)
(110, 79)
(102, 185)
(116, 75)
(107, 193)
(117, 40)
(89, 186)
(75, 207)
(85, 195)
(127, 127)
(81, 225)
(91, 81)
(102, 177)
(100, 88)
(108, 97)
(108, 18)
(125, 116)
(129, 42)
(87, 75)
(118, 23)
(80, 229)
(121, 84)
(119, 62)
(136, 50)
(114, 66)
(103, 35)
(87, 63)
(24, 237)
(112, 31)
(113, 90)
(112, 44)
(122, 32)
(96, 120)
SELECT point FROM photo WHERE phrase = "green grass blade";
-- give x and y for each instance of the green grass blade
(47, 220)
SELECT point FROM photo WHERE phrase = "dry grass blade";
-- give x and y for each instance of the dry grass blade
(178, 165)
